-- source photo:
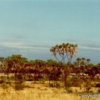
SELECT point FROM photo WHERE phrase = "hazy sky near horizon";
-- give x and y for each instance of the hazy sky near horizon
(39, 24)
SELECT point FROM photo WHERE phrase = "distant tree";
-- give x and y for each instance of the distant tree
(78, 62)
(88, 61)
(62, 52)
(82, 62)
(2, 64)
(15, 64)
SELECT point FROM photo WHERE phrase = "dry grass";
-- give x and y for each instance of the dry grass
(38, 91)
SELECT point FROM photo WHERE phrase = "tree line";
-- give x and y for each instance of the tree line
(56, 70)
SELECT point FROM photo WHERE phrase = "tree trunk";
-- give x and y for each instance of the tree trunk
(65, 77)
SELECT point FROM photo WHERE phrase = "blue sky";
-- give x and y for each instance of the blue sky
(31, 27)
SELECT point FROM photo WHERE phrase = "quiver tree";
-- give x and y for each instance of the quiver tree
(64, 53)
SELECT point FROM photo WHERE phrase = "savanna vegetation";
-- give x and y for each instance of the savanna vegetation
(79, 76)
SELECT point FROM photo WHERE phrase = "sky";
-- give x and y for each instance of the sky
(32, 27)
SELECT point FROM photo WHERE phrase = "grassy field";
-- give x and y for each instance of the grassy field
(38, 91)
